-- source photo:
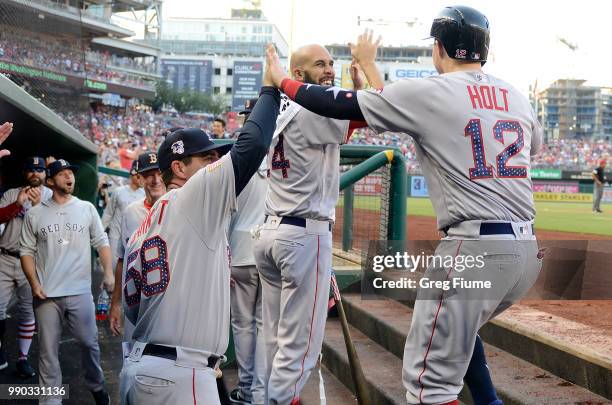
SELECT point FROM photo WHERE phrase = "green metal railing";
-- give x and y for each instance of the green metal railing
(371, 158)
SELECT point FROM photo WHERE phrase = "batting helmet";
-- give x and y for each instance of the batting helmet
(464, 33)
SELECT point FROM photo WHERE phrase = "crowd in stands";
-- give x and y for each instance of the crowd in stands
(572, 154)
(138, 128)
(67, 56)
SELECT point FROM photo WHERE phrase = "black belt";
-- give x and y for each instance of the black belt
(296, 221)
(496, 228)
(169, 353)
(9, 252)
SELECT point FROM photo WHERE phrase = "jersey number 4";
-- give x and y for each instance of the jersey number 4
(481, 169)
(278, 158)
(154, 276)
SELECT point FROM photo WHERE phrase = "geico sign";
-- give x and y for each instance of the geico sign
(411, 73)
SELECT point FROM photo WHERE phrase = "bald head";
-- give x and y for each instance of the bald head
(312, 64)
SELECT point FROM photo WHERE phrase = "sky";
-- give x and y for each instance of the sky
(525, 34)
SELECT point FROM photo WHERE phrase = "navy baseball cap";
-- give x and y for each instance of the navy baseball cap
(59, 165)
(248, 106)
(34, 162)
(186, 142)
(146, 161)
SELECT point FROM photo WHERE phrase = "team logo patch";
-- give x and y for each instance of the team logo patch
(63, 162)
(460, 53)
(178, 148)
(152, 158)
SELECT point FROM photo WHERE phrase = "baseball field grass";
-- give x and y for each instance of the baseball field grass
(553, 216)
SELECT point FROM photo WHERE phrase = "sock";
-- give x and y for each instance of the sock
(478, 378)
(25, 333)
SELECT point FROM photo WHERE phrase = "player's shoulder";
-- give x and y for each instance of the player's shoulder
(46, 193)
(83, 204)
(11, 194)
(135, 208)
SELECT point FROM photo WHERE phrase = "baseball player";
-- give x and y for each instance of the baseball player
(474, 135)
(598, 185)
(245, 296)
(17, 202)
(294, 251)
(177, 267)
(119, 200)
(56, 258)
(147, 167)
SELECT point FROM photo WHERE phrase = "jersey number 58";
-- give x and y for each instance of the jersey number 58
(153, 277)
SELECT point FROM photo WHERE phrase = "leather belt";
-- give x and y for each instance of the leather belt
(295, 221)
(168, 352)
(496, 228)
(10, 253)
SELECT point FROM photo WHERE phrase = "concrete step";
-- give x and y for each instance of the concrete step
(382, 370)
(387, 322)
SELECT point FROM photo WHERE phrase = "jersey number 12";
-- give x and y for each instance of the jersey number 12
(481, 169)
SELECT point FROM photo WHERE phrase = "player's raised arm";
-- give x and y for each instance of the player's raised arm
(332, 102)
(256, 135)
(364, 55)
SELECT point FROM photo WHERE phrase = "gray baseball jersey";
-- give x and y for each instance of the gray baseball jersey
(177, 270)
(120, 199)
(59, 238)
(303, 167)
(249, 213)
(10, 237)
(475, 155)
(132, 217)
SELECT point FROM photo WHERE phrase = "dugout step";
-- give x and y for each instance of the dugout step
(382, 370)
(387, 322)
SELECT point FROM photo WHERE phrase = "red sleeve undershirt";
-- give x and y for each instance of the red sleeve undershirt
(9, 212)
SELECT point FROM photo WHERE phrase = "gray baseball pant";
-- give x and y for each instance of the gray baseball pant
(248, 333)
(77, 312)
(597, 195)
(294, 264)
(12, 279)
(445, 323)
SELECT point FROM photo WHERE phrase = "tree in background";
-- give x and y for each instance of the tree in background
(187, 100)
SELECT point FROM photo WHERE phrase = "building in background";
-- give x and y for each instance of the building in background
(224, 56)
(570, 109)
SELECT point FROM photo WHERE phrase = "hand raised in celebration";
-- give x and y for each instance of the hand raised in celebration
(364, 51)
(274, 71)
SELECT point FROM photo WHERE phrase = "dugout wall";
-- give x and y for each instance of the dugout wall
(39, 131)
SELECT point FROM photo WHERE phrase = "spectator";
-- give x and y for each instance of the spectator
(126, 155)
(218, 129)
